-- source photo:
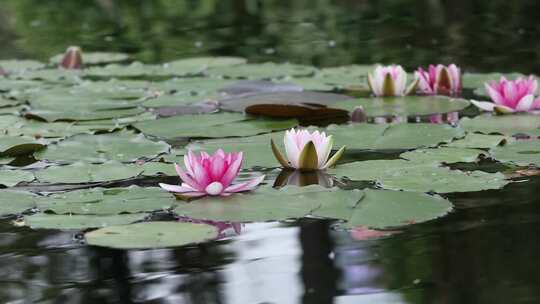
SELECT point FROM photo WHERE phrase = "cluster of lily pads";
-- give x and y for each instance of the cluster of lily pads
(87, 138)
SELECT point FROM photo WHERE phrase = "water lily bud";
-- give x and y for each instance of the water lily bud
(72, 59)
(439, 80)
(390, 81)
(359, 115)
(3, 72)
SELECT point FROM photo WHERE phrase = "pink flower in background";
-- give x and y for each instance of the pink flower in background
(511, 96)
(439, 80)
(390, 81)
(307, 151)
(72, 59)
(211, 175)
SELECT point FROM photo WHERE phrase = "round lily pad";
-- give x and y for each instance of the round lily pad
(405, 106)
(93, 58)
(151, 235)
(108, 201)
(15, 202)
(443, 155)
(519, 152)
(87, 173)
(478, 141)
(503, 124)
(16, 66)
(79, 222)
(18, 145)
(267, 70)
(196, 65)
(10, 178)
(135, 69)
(266, 204)
(120, 146)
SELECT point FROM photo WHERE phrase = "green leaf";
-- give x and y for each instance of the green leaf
(151, 235)
(197, 65)
(79, 222)
(17, 66)
(477, 80)
(443, 155)
(405, 106)
(108, 201)
(419, 177)
(503, 124)
(267, 70)
(120, 146)
(18, 145)
(93, 58)
(478, 141)
(10, 178)
(87, 173)
(520, 152)
(15, 202)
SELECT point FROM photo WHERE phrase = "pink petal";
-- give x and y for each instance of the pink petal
(232, 171)
(201, 176)
(249, 185)
(495, 95)
(186, 178)
(217, 167)
(175, 188)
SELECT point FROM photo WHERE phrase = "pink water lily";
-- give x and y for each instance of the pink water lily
(211, 175)
(307, 151)
(439, 80)
(390, 81)
(72, 59)
(511, 96)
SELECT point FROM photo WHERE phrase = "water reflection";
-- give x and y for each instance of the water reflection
(301, 179)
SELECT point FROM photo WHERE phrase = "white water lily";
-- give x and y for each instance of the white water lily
(390, 81)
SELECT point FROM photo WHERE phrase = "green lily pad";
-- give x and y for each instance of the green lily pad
(348, 71)
(443, 155)
(477, 80)
(405, 106)
(38, 129)
(151, 235)
(419, 177)
(266, 204)
(197, 65)
(10, 178)
(211, 125)
(87, 173)
(179, 99)
(478, 141)
(15, 202)
(390, 137)
(79, 222)
(93, 58)
(120, 146)
(240, 103)
(18, 145)
(135, 69)
(267, 70)
(503, 124)
(56, 76)
(108, 201)
(6, 160)
(15, 66)
(519, 152)
(58, 114)
(383, 209)
(14, 85)
(5, 102)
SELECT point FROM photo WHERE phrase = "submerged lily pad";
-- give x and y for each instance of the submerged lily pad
(419, 176)
(503, 124)
(478, 141)
(108, 201)
(211, 125)
(14, 202)
(18, 145)
(78, 222)
(405, 106)
(443, 155)
(10, 178)
(520, 152)
(240, 103)
(267, 70)
(120, 146)
(266, 204)
(384, 209)
(151, 235)
(390, 137)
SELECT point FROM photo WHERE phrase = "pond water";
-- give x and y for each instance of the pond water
(484, 251)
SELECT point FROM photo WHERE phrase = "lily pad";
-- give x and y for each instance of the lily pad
(120, 146)
(18, 145)
(93, 58)
(419, 177)
(392, 137)
(151, 235)
(383, 209)
(38, 129)
(477, 80)
(79, 222)
(135, 69)
(240, 103)
(519, 152)
(58, 114)
(478, 141)
(10, 178)
(14, 85)
(259, 86)
(267, 204)
(443, 155)
(87, 173)
(5, 102)
(197, 65)
(405, 106)
(211, 125)
(108, 201)
(267, 70)
(503, 124)
(16, 66)
(15, 202)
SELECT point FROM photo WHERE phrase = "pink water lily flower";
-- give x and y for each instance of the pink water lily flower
(511, 96)
(307, 151)
(211, 175)
(72, 59)
(439, 80)
(390, 81)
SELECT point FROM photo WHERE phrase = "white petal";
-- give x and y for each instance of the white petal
(484, 105)
(525, 104)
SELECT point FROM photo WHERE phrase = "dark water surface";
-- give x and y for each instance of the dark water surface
(486, 251)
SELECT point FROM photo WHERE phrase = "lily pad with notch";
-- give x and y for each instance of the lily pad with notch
(78, 222)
